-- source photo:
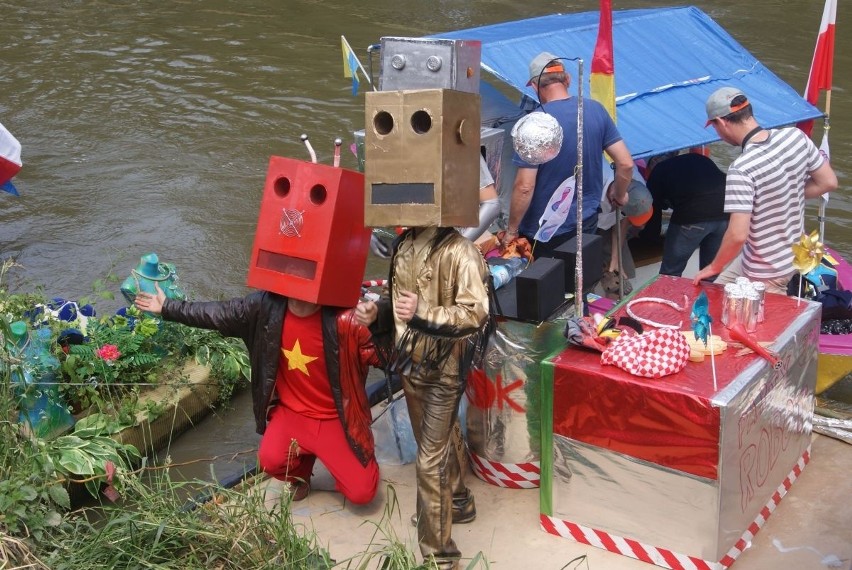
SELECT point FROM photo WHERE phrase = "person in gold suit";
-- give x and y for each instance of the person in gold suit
(434, 324)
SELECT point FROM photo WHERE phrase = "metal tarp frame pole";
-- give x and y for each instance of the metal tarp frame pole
(579, 298)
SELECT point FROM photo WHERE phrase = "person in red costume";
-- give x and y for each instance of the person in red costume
(309, 367)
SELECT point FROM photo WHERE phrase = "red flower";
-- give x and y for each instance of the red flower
(109, 352)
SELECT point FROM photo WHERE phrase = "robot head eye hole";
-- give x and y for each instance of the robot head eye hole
(383, 122)
(282, 186)
(318, 194)
(421, 122)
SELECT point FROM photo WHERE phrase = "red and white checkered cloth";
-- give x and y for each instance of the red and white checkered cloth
(653, 354)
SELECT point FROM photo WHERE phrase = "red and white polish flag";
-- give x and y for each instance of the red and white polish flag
(10, 155)
(822, 64)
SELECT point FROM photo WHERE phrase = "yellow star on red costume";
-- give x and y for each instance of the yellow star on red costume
(297, 360)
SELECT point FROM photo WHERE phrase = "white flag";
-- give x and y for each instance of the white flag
(823, 150)
(556, 211)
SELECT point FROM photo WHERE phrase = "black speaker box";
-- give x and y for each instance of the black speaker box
(534, 294)
(592, 260)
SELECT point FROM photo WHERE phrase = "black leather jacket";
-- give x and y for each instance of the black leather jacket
(258, 319)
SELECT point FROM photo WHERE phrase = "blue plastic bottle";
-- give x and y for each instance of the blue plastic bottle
(506, 270)
(42, 408)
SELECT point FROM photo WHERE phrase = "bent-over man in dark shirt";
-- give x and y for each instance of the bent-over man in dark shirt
(694, 188)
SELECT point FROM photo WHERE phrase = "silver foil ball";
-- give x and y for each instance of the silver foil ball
(537, 137)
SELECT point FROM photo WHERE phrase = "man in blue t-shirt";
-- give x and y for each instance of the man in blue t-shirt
(535, 184)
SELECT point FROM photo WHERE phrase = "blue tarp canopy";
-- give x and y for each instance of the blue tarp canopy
(667, 62)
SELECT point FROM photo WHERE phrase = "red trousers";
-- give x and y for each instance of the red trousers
(324, 439)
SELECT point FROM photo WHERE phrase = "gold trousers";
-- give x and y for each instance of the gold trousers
(433, 402)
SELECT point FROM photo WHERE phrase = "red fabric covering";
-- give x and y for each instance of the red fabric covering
(668, 421)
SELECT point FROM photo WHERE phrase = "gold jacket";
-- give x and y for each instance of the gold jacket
(450, 278)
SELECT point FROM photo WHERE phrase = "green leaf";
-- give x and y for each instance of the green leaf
(27, 493)
(59, 495)
(92, 425)
(74, 463)
(53, 519)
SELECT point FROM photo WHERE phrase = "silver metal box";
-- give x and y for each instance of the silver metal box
(423, 63)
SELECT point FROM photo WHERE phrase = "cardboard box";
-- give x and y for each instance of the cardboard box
(422, 155)
(673, 468)
(429, 63)
(503, 412)
(310, 242)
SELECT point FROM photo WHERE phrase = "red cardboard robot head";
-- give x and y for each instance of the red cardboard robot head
(310, 242)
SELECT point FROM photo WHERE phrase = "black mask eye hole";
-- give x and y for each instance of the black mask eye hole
(318, 194)
(383, 122)
(282, 187)
(421, 122)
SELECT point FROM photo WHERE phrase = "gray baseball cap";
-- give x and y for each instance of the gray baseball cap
(719, 104)
(544, 63)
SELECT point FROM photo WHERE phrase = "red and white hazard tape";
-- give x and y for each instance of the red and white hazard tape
(667, 558)
(374, 283)
(511, 475)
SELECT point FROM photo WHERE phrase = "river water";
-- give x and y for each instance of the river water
(148, 125)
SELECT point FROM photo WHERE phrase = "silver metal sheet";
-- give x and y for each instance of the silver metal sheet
(503, 417)
(766, 426)
(627, 497)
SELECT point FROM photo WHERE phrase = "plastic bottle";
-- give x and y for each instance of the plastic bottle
(150, 271)
(503, 272)
(41, 405)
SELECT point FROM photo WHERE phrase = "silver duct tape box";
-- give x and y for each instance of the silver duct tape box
(424, 63)
(421, 158)
(503, 414)
(675, 466)
(359, 148)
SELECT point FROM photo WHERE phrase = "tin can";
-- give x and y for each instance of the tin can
(735, 304)
(730, 289)
(750, 308)
(760, 287)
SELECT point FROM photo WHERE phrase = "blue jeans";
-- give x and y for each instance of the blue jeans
(682, 241)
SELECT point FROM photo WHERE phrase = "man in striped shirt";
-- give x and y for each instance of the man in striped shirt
(765, 193)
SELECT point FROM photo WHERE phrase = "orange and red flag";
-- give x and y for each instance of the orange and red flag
(602, 78)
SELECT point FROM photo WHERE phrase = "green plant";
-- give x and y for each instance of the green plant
(121, 351)
(31, 496)
(155, 527)
(226, 356)
(154, 409)
(90, 455)
(128, 353)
